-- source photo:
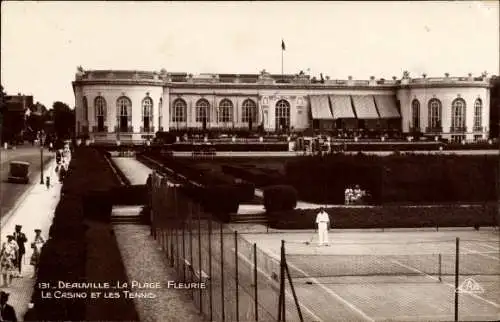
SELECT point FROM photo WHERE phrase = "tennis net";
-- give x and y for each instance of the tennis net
(321, 265)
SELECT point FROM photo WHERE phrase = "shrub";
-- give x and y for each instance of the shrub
(221, 199)
(246, 191)
(280, 198)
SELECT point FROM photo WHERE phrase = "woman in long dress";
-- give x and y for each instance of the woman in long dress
(37, 249)
(8, 256)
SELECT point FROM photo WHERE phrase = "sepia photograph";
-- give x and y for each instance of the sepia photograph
(250, 161)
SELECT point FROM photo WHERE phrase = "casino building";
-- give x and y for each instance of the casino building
(130, 106)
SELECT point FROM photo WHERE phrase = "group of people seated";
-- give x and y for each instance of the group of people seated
(354, 195)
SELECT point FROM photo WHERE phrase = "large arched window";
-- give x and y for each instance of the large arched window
(100, 112)
(203, 112)
(415, 115)
(147, 115)
(124, 106)
(85, 109)
(160, 114)
(179, 112)
(435, 115)
(282, 113)
(225, 111)
(478, 115)
(249, 112)
(458, 115)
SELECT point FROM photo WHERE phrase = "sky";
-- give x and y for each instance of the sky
(42, 43)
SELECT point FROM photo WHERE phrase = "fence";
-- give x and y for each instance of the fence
(229, 278)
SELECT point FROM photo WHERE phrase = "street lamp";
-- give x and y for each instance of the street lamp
(42, 139)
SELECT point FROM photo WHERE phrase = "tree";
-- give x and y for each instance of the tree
(64, 120)
(2, 106)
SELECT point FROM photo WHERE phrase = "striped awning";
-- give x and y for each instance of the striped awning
(386, 105)
(365, 107)
(342, 107)
(320, 107)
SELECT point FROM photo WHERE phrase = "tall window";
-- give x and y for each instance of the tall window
(415, 115)
(225, 111)
(434, 114)
(202, 111)
(458, 115)
(147, 114)
(85, 109)
(100, 112)
(160, 114)
(179, 112)
(124, 106)
(249, 110)
(478, 114)
(282, 115)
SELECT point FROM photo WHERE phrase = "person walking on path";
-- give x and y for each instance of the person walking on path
(8, 256)
(37, 249)
(323, 225)
(7, 312)
(21, 239)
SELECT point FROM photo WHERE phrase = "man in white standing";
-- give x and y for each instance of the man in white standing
(323, 224)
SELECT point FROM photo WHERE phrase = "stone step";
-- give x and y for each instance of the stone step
(248, 219)
(127, 219)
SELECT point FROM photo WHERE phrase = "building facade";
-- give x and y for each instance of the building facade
(113, 105)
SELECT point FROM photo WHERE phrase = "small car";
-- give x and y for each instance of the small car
(19, 172)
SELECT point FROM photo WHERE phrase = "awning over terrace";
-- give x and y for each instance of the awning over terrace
(365, 107)
(342, 107)
(320, 107)
(386, 105)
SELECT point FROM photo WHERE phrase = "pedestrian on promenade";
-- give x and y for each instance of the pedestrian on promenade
(8, 256)
(37, 245)
(21, 239)
(7, 312)
(62, 172)
(323, 225)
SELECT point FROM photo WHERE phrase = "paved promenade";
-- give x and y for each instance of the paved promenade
(35, 209)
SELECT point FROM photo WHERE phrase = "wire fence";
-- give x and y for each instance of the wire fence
(229, 278)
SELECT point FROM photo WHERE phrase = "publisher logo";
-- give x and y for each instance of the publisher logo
(470, 286)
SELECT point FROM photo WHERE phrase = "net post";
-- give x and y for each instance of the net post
(171, 248)
(440, 267)
(236, 275)
(191, 268)
(256, 289)
(183, 259)
(210, 265)
(282, 281)
(199, 260)
(222, 270)
(293, 293)
(457, 271)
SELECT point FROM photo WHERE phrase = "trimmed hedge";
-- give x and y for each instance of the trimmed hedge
(391, 217)
(279, 198)
(396, 178)
(391, 146)
(236, 147)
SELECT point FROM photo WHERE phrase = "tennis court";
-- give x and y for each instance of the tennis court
(389, 276)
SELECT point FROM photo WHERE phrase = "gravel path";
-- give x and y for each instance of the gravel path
(145, 262)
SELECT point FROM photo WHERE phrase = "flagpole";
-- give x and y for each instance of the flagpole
(282, 77)
(282, 50)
